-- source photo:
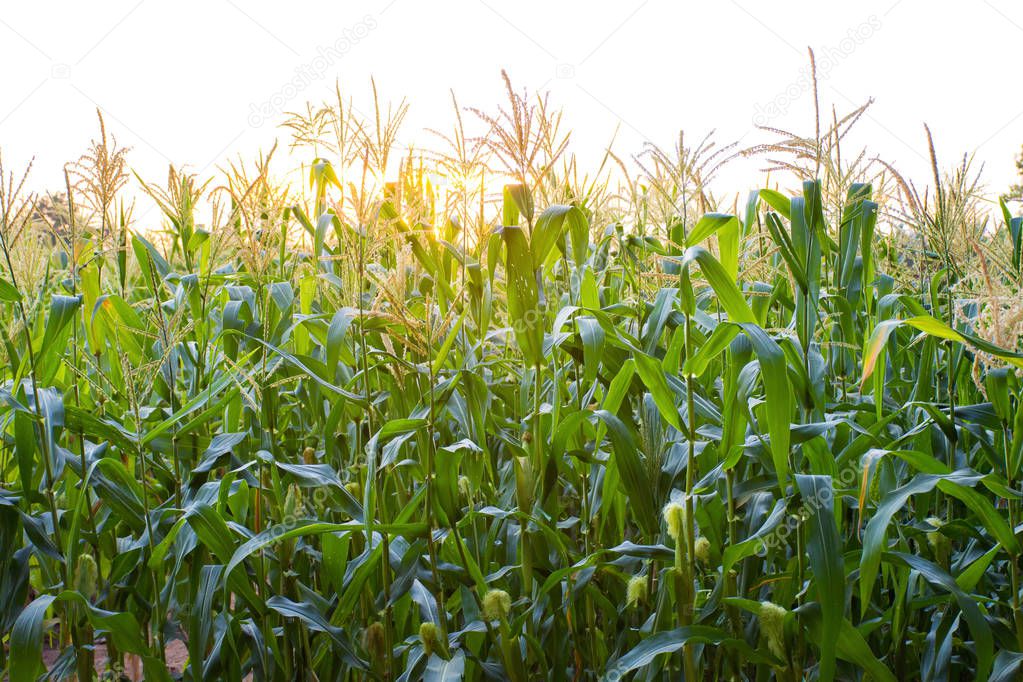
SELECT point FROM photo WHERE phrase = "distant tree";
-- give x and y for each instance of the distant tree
(54, 210)
(52, 218)
(1015, 192)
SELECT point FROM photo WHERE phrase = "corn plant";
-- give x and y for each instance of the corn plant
(416, 428)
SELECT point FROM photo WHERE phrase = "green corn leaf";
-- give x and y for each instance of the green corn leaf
(671, 641)
(983, 639)
(825, 550)
(8, 292)
(653, 377)
(523, 298)
(27, 633)
(634, 475)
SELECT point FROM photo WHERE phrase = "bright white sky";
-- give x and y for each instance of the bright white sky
(185, 81)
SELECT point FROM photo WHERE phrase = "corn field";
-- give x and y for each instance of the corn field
(475, 412)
